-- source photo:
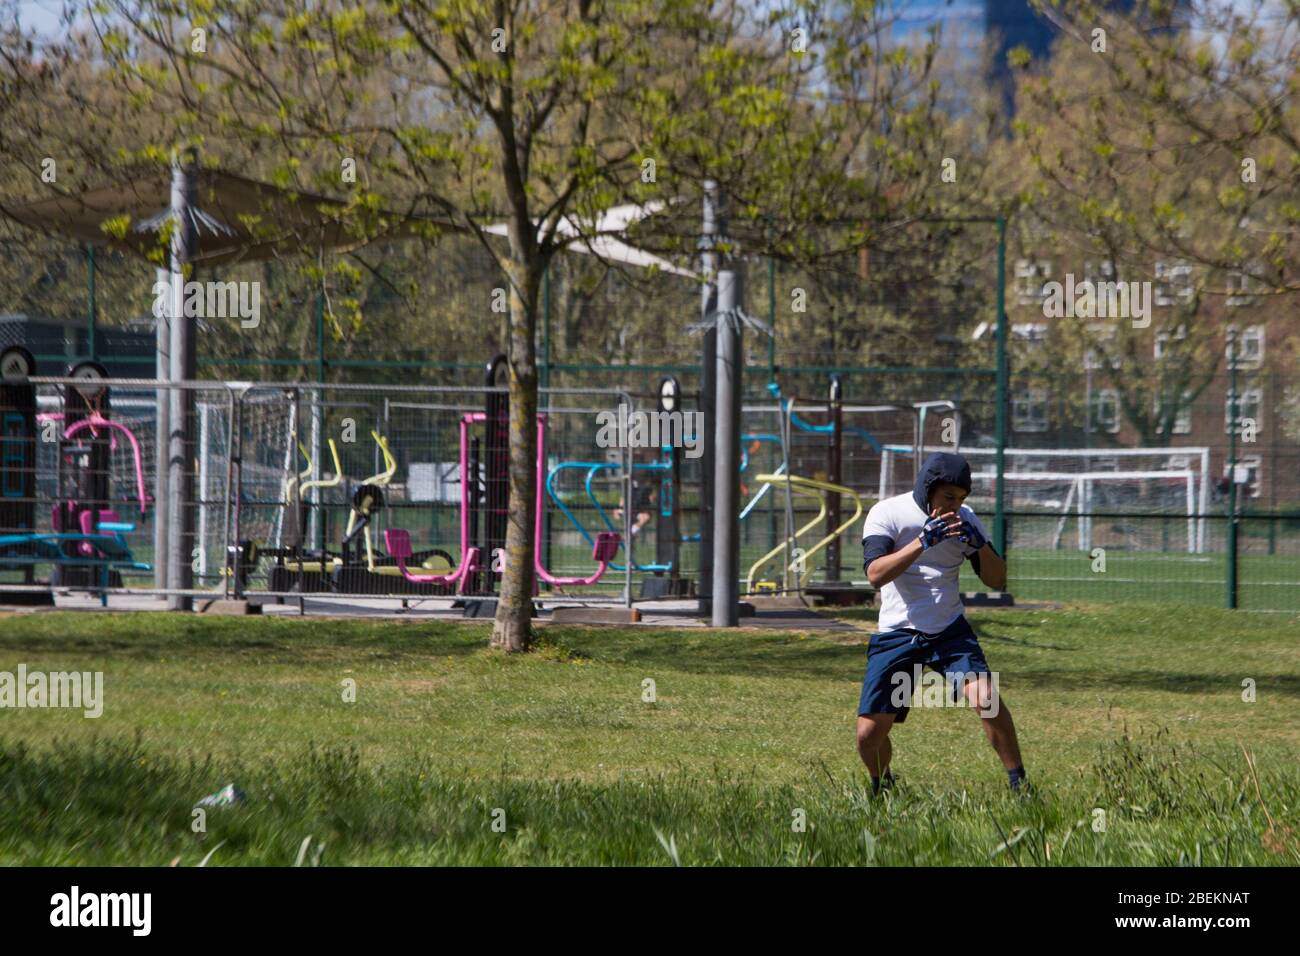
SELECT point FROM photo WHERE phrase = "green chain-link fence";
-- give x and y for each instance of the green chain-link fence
(1086, 517)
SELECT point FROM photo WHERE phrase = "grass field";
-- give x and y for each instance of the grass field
(1265, 582)
(1135, 710)
(1150, 566)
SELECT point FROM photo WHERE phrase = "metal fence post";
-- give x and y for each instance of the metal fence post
(708, 396)
(999, 520)
(162, 431)
(546, 332)
(726, 527)
(180, 481)
(92, 316)
(771, 313)
(1232, 468)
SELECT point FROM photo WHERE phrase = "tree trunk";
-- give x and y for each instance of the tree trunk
(512, 630)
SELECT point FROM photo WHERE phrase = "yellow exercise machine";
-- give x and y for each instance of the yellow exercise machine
(795, 561)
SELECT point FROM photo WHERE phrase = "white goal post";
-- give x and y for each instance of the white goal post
(1039, 475)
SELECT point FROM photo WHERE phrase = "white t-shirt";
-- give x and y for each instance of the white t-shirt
(925, 596)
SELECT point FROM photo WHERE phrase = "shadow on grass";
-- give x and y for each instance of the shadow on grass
(153, 634)
(993, 632)
(1065, 679)
(714, 652)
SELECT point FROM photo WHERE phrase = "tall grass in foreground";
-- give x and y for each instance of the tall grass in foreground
(113, 801)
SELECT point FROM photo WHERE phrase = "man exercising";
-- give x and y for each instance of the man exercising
(912, 549)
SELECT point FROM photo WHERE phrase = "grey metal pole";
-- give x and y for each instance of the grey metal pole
(791, 567)
(315, 530)
(708, 368)
(726, 454)
(180, 478)
(205, 436)
(162, 432)
(1004, 386)
(835, 466)
(1233, 424)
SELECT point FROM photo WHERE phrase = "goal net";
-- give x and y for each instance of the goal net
(1076, 485)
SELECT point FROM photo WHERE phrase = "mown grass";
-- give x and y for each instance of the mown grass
(1136, 711)
(1265, 582)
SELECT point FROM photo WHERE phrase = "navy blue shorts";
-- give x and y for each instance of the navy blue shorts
(954, 650)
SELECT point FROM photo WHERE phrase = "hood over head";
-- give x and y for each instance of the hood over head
(942, 466)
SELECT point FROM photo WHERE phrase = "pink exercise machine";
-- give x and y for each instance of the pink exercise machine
(397, 541)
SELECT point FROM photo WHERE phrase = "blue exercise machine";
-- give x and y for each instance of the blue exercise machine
(86, 545)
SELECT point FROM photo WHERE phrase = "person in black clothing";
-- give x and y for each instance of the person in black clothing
(645, 494)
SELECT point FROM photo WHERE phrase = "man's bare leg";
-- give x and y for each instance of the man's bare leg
(995, 718)
(873, 743)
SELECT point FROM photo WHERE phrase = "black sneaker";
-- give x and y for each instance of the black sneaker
(886, 783)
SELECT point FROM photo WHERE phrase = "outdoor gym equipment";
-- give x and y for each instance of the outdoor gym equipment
(836, 430)
(368, 497)
(397, 541)
(592, 468)
(86, 544)
(360, 567)
(296, 567)
(666, 506)
(799, 564)
(603, 549)
(829, 428)
(356, 569)
(666, 568)
(828, 494)
(666, 580)
(94, 549)
(375, 575)
(242, 558)
(489, 457)
(18, 471)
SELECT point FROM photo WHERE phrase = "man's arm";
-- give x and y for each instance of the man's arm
(988, 564)
(885, 568)
(991, 567)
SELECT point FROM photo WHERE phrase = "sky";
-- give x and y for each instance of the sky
(43, 15)
(40, 15)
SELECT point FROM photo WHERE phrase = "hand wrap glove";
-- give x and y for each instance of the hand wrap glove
(971, 535)
(935, 530)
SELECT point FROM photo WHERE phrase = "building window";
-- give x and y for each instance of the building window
(1102, 333)
(1239, 287)
(1249, 406)
(1031, 275)
(1029, 410)
(1183, 420)
(1253, 465)
(1164, 338)
(1103, 411)
(1182, 417)
(1099, 270)
(1173, 283)
(1250, 346)
(1093, 360)
(1032, 333)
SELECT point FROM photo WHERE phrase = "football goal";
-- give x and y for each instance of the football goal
(1077, 483)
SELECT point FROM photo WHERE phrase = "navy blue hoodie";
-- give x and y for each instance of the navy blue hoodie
(942, 466)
